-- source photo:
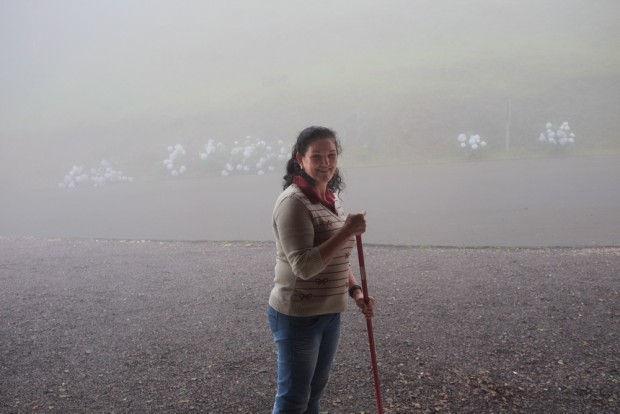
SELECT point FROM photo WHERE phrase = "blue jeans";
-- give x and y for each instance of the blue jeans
(306, 350)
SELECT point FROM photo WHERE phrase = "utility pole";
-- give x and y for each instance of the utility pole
(508, 127)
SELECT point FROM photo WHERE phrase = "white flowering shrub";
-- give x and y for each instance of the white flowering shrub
(471, 144)
(212, 152)
(252, 156)
(104, 173)
(174, 162)
(557, 136)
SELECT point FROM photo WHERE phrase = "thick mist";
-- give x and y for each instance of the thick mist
(96, 98)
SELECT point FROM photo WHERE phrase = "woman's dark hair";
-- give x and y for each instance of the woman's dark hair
(305, 138)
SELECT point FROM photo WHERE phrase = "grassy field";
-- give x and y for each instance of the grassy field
(405, 97)
(398, 84)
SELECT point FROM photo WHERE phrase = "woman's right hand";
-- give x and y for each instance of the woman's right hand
(355, 224)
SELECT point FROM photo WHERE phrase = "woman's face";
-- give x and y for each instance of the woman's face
(320, 160)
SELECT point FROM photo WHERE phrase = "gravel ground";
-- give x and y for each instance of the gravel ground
(112, 326)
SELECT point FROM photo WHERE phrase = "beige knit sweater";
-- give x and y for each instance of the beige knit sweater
(304, 286)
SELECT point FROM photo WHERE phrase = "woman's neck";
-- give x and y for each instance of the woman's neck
(321, 189)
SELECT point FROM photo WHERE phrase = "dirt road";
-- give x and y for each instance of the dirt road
(107, 326)
(518, 203)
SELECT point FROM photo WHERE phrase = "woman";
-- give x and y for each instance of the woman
(313, 276)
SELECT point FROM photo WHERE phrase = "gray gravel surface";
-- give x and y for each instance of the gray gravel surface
(113, 326)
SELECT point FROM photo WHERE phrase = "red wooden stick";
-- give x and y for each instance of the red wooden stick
(371, 337)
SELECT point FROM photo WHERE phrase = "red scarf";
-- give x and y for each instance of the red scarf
(309, 191)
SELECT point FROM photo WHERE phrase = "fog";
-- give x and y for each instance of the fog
(124, 82)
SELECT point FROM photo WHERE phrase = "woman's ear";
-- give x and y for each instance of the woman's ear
(299, 159)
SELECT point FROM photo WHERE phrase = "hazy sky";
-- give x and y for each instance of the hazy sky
(71, 62)
(109, 70)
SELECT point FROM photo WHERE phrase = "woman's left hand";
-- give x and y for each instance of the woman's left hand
(368, 309)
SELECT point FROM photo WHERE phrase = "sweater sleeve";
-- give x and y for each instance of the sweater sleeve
(295, 231)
